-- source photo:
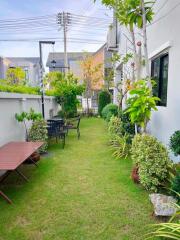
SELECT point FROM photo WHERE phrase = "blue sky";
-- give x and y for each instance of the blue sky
(12, 9)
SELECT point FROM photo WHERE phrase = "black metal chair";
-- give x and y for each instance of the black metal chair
(74, 124)
(56, 129)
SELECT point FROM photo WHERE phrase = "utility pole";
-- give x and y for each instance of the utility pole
(64, 21)
(41, 73)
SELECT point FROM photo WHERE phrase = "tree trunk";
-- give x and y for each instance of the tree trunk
(87, 103)
(145, 44)
(135, 53)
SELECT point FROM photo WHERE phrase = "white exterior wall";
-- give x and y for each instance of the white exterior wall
(12, 103)
(163, 36)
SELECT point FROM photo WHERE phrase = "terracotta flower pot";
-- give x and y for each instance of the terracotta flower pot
(135, 175)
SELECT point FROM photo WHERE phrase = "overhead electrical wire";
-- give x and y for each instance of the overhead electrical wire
(165, 15)
(39, 26)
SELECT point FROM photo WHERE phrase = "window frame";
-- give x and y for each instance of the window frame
(161, 58)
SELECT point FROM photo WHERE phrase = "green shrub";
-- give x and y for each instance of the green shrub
(153, 161)
(120, 146)
(114, 126)
(20, 89)
(38, 132)
(104, 98)
(109, 111)
(127, 126)
(175, 143)
(175, 186)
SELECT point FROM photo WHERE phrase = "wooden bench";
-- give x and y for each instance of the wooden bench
(12, 155)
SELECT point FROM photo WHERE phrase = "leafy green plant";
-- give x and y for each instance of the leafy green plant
(127, 126)
(22, 118)
(25, 116)
(151, 157)
(38, 132)
(140, 104)
(15, 76)
(175, 186)
(20, 89)
(104, 98)
(109, 111)
(175, 143)
(114, 126)
(65, 88)
(120, 146)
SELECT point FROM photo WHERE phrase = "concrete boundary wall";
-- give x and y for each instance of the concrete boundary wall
(12, 103)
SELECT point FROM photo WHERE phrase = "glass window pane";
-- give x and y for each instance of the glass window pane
(164, 80)
(155, 74)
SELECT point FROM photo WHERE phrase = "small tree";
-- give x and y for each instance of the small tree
(134, 14)
(104, 98)
(92, 74)
(65, 89)
(15, 76)
(140, 104)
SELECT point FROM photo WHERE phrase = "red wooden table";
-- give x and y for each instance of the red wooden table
(12, 155)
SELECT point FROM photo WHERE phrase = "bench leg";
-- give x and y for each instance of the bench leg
(5, 176)
(22, 175)
(5, 197)
(33, 162)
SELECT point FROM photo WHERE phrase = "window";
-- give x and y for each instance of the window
(159, 73)
(26, 70)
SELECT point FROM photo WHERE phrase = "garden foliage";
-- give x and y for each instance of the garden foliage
(65, 88)
(119, 139)
(151, 157)
(38, 132)
(109, 111)
(175, 185)
(104, 98)
(114, 126)
(175, 143)
(120, 146)
(141, 103)
(127, 126)
(20, 89)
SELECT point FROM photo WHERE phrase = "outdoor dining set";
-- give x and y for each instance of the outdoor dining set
(14, 154)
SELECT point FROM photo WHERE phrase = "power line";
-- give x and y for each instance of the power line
(165, 15)
(164, 4)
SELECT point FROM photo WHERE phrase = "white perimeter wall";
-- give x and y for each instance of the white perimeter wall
(11, 103)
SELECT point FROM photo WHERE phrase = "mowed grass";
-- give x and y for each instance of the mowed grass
(79, 193)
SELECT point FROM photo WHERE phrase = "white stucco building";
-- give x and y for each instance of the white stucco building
(164, 54)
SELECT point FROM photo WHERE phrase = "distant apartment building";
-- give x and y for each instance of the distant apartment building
(30, 65)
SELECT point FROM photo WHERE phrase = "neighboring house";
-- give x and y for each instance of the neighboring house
(103, 58)
(30, 65)
(164, 56)
(74, 59)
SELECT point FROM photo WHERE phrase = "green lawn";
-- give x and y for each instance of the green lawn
(79, 193)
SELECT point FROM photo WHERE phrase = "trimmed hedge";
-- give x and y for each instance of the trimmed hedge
(104, 98)
(151, 158)
(109, 111)
(20, 89)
